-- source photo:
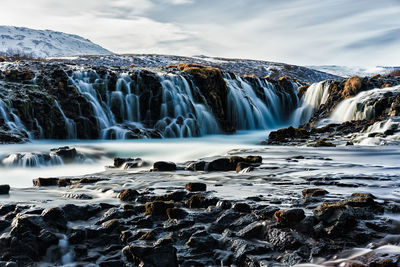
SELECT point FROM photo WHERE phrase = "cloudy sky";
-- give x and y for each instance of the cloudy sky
(305, 32)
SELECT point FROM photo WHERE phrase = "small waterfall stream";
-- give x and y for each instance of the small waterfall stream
(316, 95)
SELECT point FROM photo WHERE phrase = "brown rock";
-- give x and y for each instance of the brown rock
(158, 208)
(128, 195)
(175, 213)
(352, 87)
(313, 192)
(196, 187)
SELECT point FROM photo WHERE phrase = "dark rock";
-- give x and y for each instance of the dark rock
(164, 166)
(323, 143)
(174, 196)
(45, 181)
(128, 195)
(284, 239)
(313, 192)
(202, 241)
(287, 134)
(243, 165)
(55, 217)
(196, 166)
(196, 202)
(224, 204)
(158, 208)
(4, 189)
(242, 207)
(253, 230)
(160, 256)
(221, 164)
(68, 154)
(196, 187)
(289, 217)
(265, 212)
(175, 213)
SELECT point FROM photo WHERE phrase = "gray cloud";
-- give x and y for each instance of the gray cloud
(360, 32)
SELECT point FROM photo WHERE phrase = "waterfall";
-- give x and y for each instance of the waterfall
(31, 160)
(361, 106)
(316, 95)
(181, 115)
(248, 111)
(70, 125)
(12, 121)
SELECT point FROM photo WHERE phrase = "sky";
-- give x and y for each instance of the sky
(303, 32)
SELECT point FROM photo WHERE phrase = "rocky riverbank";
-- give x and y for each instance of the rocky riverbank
(178, 214)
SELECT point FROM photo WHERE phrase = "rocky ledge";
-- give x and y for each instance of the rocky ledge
(187, 225)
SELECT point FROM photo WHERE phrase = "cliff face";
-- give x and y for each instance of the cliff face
(54, 100)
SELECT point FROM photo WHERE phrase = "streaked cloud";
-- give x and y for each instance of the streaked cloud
(307, 32)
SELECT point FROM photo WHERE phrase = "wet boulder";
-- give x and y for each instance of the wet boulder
(45, 181)
(196, 187)
(287, 134)
(129, 163)
(176, 213)
(313, 192)
(128, 195)
(221, 164)
(196, 166)
(68, 154)
(289, 218)
(160, 256)
(164, 166)
(323, 143)
(4, 189)
(196, 201)
(284, 239)
(55, 217)
(352, 87)
(158, 208)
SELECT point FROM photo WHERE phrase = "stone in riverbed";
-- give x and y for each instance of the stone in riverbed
(196, 202)
(221, 164)
(45, 181)
(313, 192)
(128, 195)
(176, 213)
(4, 189)
(160, 256)
(289, 217)
(158, 208)
(323, 143)
(164, 166)
(242, 207)
(196, 187)
(196, 166)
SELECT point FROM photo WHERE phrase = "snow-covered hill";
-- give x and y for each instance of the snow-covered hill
(345, 71)
(45, 43)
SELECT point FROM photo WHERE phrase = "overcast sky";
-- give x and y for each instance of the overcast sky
(305, 32)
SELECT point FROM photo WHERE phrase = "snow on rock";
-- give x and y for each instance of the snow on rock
(45, 43)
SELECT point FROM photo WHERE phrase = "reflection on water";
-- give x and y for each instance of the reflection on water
(102, 152)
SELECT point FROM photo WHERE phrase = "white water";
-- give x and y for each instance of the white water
(248, 111)
(316, 95)
(360, 107)
(12, 121)
(70, 126)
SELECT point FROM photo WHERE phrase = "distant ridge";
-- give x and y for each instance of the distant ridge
(45, 43)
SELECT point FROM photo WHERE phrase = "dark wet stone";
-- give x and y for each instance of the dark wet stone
(128, 195)
(63, 182)
(160, 256)
(158, 208)
(6, 208)
(242, 207)
(111, 263)
(313, 192)
(74, 212)
(221, 164)
(4, 224)
(45, 181)
(176, 213)
(68, 154)
(196, 166)
(4, 189)
(289, 217)
(111, 225)
(196, 187)
(224, 204)
(164, 166)
(323, 143)
(174, 196)
(202, 241)
(253, 230)
(283, 239)
(196, 201)
(55, 217)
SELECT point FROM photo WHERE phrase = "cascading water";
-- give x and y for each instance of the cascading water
(181, 115)
(31, 160)
(316, 95)
(12, 121)
(70, 125)
(361, 106)
(249, 111)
